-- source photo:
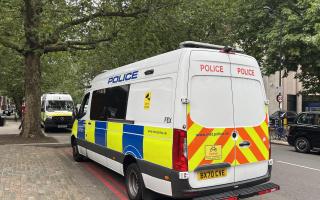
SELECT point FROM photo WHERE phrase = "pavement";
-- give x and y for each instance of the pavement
(11, 127)
(32, 173)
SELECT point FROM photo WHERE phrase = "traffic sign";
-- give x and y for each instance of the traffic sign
(279, 98)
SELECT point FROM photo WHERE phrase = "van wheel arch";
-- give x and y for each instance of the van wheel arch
(73, 140)
(128, 159)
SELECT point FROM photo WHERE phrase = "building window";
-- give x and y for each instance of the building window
(109, 103)
(292, 102)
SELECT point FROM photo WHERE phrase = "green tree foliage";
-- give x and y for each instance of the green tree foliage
(283, 35)
(11, 73)
(34, 28)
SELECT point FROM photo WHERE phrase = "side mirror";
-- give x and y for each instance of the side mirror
(75, 113)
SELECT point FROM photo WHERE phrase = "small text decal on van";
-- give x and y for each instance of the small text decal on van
(123, 77)
(211, 68)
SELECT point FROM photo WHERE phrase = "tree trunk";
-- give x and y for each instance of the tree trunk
(18, 102)
(31, 124)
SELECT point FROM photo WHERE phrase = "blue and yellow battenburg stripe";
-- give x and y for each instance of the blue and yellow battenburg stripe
(153, 144)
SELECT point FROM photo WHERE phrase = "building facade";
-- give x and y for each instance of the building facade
(290, 89)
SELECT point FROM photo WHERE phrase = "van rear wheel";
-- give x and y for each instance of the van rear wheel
(134, 182)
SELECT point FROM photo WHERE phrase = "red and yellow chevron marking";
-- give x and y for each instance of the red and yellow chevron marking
(199, 137)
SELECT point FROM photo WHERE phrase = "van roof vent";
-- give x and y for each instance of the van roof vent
(193, 44)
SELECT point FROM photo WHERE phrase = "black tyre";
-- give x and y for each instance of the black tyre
(134, 182)
(75, 152)
(302, 145)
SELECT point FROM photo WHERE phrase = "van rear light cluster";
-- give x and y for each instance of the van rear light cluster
(269, 147)
(179, 151)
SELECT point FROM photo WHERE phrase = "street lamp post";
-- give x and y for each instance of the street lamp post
(276, 14)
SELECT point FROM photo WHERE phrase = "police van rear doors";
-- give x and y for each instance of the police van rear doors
(226, 129)
(210, 123)
(250, 118)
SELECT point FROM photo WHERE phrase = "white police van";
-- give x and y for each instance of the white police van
(56, 111)
(186, 123)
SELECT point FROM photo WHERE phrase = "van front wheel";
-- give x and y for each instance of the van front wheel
(75, 153)
(134, 182)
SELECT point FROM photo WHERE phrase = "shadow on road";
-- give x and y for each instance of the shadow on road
(59, 131)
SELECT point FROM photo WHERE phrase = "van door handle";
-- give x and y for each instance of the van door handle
(244, 144)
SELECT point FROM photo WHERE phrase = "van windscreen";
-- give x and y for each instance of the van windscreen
(59, 106)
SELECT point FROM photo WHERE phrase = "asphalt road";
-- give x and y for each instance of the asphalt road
(297, 174)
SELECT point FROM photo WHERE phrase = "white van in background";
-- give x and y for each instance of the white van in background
(186, 123)
(56, 111)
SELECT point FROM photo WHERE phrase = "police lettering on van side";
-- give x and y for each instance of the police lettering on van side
(123, 77)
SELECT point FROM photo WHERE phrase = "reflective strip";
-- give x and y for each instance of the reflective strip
(227, 144)
(240, 157)
(132, 141)
(195, 128)
(81, 129)
(258, 140)
(114, 136)
(58, 114)
(247, 151)
(100, 133)
(90, 131)
(252, 138)
(74, 130)
(199, 136)
(157, 145)
(198, 141)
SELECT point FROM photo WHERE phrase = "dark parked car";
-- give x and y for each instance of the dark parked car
(9, 111)
(290, 115)
(304, 135)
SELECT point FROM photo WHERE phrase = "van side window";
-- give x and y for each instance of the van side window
(84, 105)
(109, 103)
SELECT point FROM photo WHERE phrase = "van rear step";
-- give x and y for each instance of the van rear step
(243, 192)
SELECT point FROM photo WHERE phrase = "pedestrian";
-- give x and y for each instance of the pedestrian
(23, 111)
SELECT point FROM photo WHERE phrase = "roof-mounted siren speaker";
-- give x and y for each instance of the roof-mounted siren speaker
(193, 44)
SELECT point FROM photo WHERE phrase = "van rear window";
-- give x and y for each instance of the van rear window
(248, 100)
(218, 101)
(211, 101)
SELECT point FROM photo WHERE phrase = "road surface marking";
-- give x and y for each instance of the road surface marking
(299, 165)
(103, 177)
(109, 185)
